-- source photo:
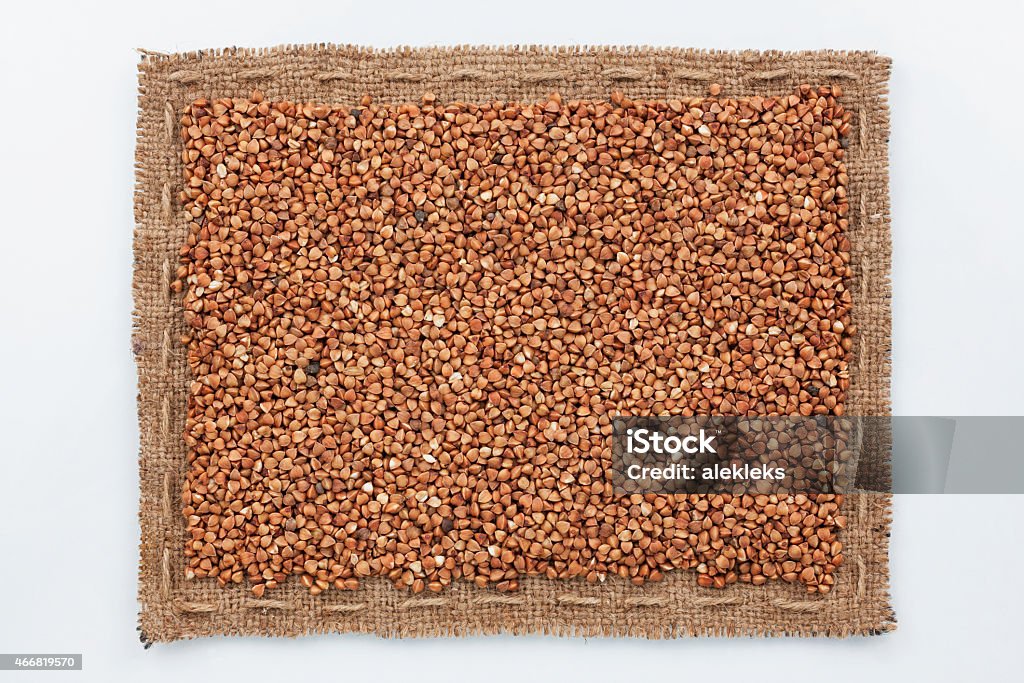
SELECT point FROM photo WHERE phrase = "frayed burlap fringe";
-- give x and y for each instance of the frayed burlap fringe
(173, 607)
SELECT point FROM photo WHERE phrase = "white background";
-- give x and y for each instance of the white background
(68, 436)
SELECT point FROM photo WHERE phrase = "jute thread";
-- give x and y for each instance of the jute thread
(173, 607)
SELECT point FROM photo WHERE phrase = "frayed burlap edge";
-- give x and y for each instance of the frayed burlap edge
(173, 607)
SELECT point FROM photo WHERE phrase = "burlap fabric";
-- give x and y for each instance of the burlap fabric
(173, 607)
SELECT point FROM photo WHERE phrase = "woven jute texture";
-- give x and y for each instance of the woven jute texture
(173, 607)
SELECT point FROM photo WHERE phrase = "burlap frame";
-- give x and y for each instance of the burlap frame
(172, 607)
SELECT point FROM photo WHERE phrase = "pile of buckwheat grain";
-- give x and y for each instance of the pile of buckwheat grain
(411, 325)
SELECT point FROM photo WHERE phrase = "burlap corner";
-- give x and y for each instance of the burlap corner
(173, 607)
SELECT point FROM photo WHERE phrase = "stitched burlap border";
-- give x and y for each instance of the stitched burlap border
(173, 607)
